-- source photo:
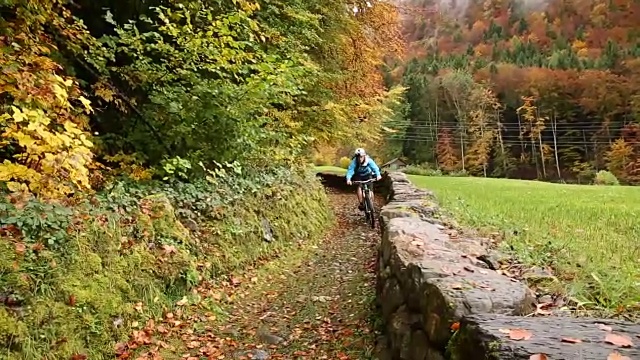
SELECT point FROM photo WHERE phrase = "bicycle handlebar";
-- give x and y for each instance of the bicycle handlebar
(363, 181)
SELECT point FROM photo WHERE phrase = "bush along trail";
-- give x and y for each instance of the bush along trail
(314, 301)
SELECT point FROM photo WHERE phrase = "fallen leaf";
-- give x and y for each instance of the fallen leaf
(455, 326)
(538, 357)
(120, 348)
(540, 308)
(20, 248)
(486, 287)
(618, 340)
(604, 327)
(520, 334)
(78, 357)
(182, 302)
(617, 356)
(469, 269)
(571, 340)
(72, 300)
(169, 249)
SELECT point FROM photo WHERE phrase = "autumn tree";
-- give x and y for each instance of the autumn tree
(483, 125)
(447, 158)
(620, 159)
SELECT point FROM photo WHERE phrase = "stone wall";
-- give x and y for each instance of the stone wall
(441, 299)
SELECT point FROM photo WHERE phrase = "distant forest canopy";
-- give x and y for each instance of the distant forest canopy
(529, 89)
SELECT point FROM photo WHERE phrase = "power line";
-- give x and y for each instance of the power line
(576, 126)
(525, 142)
(510, 137)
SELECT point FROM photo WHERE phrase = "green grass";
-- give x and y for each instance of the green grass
(588, 234)
(330, 169)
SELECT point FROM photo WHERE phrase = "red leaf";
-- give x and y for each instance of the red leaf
(618, 340)
(520, 334)
(617, 356)
(538, 357)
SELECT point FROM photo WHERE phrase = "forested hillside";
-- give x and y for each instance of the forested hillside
(533, 89)
(147, 146)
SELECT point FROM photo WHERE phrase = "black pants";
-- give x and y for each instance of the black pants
(357, 177)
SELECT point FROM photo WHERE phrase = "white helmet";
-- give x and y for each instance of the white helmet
(359, 152)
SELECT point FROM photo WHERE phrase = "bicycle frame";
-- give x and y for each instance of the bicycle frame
(364, 185)
(367, 200)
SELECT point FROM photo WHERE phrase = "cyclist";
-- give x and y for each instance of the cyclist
(362, 168)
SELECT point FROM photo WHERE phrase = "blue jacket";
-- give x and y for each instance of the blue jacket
(365, 169)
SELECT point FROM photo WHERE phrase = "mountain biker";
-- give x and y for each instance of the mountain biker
(362, 168)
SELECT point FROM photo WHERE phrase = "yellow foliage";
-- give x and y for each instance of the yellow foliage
(54, 156)
(52, 163)
(324, 155)
(578, 45)
(345, 162)
(131, 166)
(620, 158)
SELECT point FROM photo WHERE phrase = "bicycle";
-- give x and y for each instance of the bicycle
(369, 210)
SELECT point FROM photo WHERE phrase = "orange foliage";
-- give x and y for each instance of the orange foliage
(447, 158)
(578, 58)
(474, 35)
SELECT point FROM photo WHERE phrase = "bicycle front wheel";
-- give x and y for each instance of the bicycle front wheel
(370, 210)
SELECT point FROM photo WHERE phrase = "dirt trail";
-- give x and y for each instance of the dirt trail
(314, 302)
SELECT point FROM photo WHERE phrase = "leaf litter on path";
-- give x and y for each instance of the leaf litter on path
(314, 302)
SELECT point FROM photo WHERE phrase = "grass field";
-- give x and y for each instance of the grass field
(330, 169)
(590, 235)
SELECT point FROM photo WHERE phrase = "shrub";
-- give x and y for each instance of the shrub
(422, 170)
(344, 162)
(459, 173)
(604, 177)
(320, 160)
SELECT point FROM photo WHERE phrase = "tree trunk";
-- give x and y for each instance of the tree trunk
(520, 135)
(544, 169)
(504, 160)
(484, 162)
(462, 147)
(555, 142)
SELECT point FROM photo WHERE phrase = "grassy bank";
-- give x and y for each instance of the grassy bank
(77, 280)
(588, 234)
(330, 170)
